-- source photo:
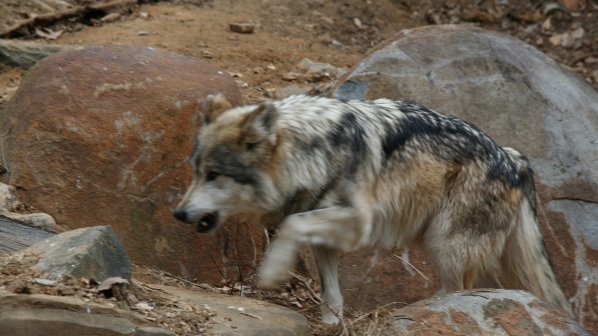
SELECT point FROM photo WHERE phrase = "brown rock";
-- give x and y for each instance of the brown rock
(522, 99)
(242, 28)
(108, 130)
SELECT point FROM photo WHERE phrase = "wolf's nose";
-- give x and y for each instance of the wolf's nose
(180, 215)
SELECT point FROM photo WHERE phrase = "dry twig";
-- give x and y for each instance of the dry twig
(49, 18)
(410, 264)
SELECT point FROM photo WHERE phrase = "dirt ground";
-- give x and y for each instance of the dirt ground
(338, 32)
(18, 276)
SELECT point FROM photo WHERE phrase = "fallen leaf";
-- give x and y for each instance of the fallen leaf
(44, 282)
(48, 33)
(574, 5)
(110, 17)
(108, 283)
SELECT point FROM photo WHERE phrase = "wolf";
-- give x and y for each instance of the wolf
(341, 175)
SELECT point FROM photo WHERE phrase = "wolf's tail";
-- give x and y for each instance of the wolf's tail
(525, 263)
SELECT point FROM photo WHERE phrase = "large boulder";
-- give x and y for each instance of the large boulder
(481, 312)
(38, 314)
(521, 98)
(100, 135)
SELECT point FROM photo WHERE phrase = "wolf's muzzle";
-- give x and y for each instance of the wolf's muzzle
(181, 215)
(205, 224)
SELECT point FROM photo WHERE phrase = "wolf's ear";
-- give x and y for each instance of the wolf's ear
(259, 123)
(212, 107)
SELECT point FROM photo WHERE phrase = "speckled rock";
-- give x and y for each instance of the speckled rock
(521, 98)
(38, 314)
(108, 130)
(482, 312)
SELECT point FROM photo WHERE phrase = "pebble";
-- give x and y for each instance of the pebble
(242, 28)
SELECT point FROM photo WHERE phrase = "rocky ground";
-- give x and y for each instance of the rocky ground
(272, 48)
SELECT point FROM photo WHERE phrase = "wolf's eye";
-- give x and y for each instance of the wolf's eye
(211, 176)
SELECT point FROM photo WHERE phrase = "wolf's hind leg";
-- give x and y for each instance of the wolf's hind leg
(332, 308)
(466, 262)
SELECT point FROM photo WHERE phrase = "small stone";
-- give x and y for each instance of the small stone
(271, 67)
(142, 33)
(44, 282)
(567, 40)
(241, 83)
(290, 76)
(336, 43)
(143, 306)
(39, 220)
(67, 291)
(556, 39)
(207, 54)
(7, 197)
(314, 68)
(242, 28)
(577, 33)
(357, 23)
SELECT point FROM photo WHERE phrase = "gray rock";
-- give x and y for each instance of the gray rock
(25, 54)
(37, 314)
(39, 219)
(16, 236)
(315, 68)
(237, 315)
(522, 99)
(291, 90)
(93, 253)
(481, 312)
(8, 196)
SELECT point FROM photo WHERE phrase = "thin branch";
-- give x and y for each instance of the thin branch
(62, 15)
(415, 268)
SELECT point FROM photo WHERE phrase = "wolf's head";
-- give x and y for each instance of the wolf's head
(232, 156)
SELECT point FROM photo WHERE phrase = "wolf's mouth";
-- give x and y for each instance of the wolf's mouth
(207, 222)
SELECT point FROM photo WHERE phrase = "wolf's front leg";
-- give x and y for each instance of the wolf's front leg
(332, 308)
(337, 228)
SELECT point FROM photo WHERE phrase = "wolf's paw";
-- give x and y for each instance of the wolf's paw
(271, 278)
(330, 318)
